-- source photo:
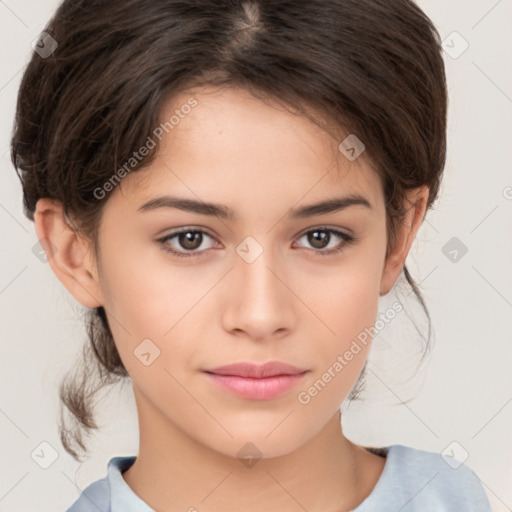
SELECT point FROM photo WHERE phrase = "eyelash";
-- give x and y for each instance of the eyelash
(347, 239)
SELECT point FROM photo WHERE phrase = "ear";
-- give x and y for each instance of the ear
(70, 255)
(416, 202)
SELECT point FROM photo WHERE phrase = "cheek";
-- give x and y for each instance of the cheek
(346, 297)
(349, 306)
(149, 298)
(144, 290)
(349, 300)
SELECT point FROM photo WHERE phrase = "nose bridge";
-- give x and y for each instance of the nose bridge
(260, 303)
(256, 258)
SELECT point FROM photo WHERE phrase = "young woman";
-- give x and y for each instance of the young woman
(229, 187)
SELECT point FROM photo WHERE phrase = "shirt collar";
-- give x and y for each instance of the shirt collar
(122, 498)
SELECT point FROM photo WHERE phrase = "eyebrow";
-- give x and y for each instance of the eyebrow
(221, 211)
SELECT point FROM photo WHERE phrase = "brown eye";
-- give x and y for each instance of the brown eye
(190, 239)
(185, 243)
(320, 238)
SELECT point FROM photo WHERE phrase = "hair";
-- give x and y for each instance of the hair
(373, 68)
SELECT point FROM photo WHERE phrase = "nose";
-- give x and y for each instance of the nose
(260, 303)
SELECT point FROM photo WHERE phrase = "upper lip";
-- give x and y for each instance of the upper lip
(246, 369)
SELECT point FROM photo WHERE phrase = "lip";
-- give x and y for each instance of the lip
(256, 382)
(256, 371)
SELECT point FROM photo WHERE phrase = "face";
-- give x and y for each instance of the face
(264, 284)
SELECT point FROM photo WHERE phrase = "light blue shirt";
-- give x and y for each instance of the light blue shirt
(412, 481)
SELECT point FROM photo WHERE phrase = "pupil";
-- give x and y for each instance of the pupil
(189, 239)
(319, 239)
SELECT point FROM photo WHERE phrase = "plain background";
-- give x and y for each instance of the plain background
(463, 395)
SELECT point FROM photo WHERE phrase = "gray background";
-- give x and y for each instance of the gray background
(464, 395)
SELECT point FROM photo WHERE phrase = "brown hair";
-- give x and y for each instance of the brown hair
(371, 67)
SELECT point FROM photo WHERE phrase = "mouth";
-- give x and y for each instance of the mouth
(256, 382)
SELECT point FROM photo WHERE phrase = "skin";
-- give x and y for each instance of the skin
(290, 304)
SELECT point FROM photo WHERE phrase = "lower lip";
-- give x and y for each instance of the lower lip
(256, 389)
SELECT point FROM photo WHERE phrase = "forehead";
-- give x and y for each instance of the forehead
(232, 142)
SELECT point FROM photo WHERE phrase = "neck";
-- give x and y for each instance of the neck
(175, 472)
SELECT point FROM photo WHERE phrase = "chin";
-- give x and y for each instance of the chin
(253, 445)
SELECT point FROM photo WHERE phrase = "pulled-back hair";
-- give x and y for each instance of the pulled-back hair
(372, 68)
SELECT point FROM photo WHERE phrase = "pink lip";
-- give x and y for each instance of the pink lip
(256, 382)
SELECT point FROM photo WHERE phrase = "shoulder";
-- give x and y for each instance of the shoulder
(418, 480)
(94, 498)
(109, 493)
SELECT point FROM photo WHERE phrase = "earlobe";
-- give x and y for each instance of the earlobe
(68, 253)
(416, 204)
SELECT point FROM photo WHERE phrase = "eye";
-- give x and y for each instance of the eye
(188, 239)
(320, 239)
